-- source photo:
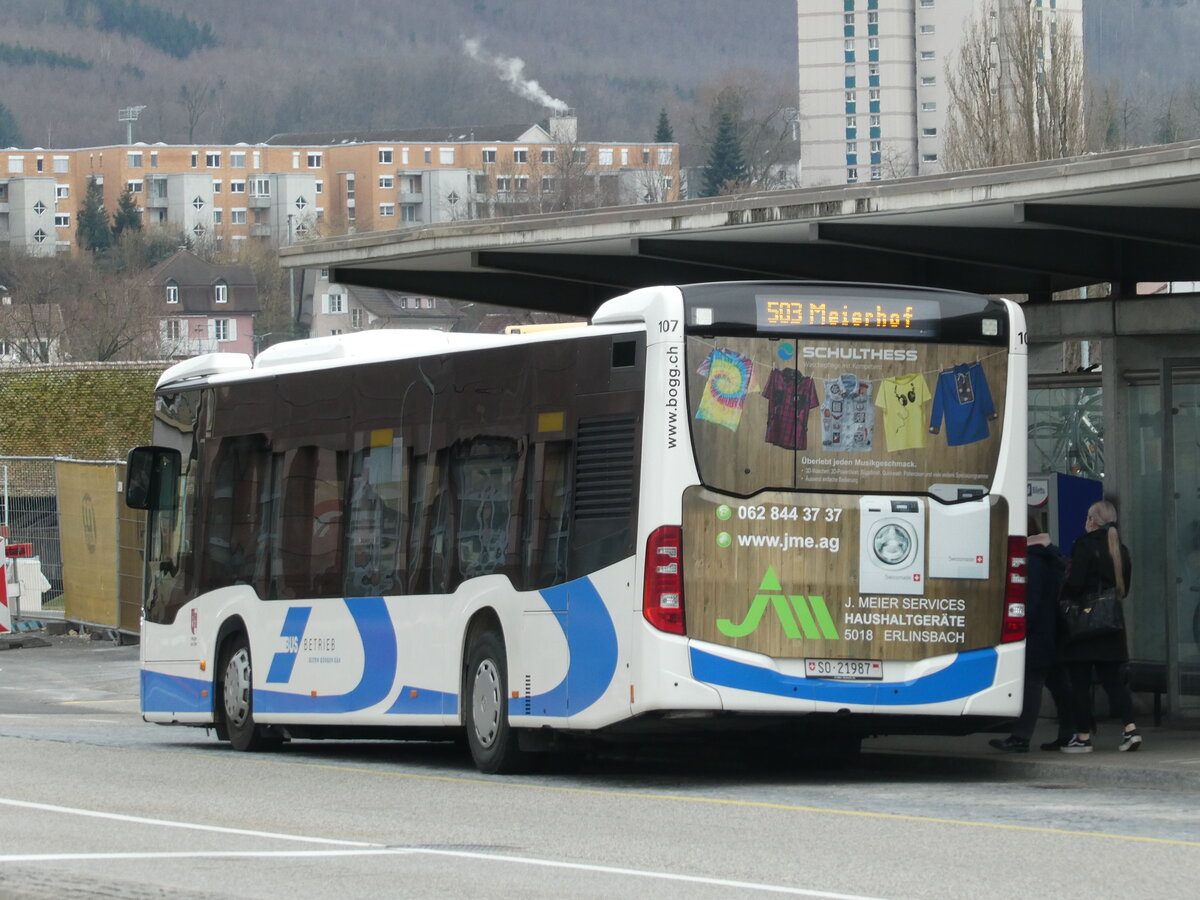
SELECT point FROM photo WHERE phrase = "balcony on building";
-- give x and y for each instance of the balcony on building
(155, 196)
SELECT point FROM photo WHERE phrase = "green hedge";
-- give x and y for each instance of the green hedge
(83, 411)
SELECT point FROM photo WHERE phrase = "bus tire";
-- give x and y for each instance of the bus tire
(237, 698)
(492, 741)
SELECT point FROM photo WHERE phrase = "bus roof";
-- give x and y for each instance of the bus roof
(361, 347)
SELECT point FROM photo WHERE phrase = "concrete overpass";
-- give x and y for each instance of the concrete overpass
(1032, 229)
(1111, 220)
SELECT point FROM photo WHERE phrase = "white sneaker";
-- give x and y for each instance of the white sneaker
(1130, 740)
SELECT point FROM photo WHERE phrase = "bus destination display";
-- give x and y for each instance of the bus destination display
(878, 315)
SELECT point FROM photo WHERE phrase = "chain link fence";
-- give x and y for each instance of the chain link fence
(29, 514)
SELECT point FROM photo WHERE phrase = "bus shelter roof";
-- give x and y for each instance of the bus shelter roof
(1032, 229)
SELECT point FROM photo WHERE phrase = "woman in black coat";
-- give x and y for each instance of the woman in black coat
(1045, 571)
(1098, 560)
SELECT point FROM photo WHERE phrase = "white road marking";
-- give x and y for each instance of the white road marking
(363, 848)
(168, 823)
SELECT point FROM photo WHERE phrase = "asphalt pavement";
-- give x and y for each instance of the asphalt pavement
(1168, 759)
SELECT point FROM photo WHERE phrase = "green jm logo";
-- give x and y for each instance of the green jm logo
(810, 613)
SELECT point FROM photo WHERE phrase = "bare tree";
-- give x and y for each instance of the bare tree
(1016, 89)
(196, 100)
(765, 118)
(115, 319)
(655, 186)
(556, 178)
(1114, 119)
(38, 289)
(275, 288)
(1062, 128)
(897, 162)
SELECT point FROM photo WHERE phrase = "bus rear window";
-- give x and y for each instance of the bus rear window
(820, 414)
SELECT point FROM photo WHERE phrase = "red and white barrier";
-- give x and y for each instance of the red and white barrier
(5, 612)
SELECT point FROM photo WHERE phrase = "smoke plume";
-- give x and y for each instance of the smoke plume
(511, 70)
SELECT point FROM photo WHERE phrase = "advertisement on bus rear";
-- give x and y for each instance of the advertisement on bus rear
(846, 508)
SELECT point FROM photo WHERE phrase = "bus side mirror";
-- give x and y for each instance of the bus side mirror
(152, 477)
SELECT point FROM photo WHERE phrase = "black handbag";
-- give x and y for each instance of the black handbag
(1099, 613)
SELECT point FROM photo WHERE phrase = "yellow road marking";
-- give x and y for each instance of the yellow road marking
(747, 804)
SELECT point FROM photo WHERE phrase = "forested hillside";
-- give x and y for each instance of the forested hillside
(231, 70)
(242, 70)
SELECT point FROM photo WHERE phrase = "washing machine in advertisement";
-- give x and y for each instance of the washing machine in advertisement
(959, 532)
(891, 558)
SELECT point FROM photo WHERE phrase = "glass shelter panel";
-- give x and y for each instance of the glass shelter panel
(1183, 626)
(1066, 431)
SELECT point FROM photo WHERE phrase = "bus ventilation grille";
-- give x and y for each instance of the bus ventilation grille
(604, 463)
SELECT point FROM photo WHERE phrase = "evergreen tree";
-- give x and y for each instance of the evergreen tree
(663, 134)
(127, 217)
(10, 134)
(726, 166)
(92, 231)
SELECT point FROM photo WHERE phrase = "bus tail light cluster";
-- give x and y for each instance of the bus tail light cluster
(662, 591)
(1013, 628)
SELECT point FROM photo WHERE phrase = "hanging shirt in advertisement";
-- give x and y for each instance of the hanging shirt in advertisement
(729, 376)
(962, 398)
(847, 416)
(791, 396)
(903, 400)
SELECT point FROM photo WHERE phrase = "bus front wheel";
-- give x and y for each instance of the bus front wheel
(237, 696)
(492, 741)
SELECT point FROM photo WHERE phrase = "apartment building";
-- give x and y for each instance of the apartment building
(873, 98)
(295, 186)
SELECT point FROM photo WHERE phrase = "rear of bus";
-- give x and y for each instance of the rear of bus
(832, 510)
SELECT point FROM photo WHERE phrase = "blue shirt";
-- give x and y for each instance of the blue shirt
(963, 399)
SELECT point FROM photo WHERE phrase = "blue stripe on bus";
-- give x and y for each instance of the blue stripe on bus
(970, 673)
(174, 694)
(580, 612)
(591, 649)
(294, 624)
(378, 637)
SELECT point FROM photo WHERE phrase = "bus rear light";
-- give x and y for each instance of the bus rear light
(662, 592)
(1013, 628)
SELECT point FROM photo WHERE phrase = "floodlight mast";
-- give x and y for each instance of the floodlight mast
(129, 115)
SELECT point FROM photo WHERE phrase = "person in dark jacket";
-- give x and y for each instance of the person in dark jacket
(1045, 571)
(1098, 560)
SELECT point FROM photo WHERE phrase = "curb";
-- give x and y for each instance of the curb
(19, 642)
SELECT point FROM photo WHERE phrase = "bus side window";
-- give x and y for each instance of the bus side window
(240, 465)
(426, 534)
(375, 539)
(310, 533)
(547, 522)
(486, 479)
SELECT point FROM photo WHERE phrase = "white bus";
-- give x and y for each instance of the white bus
(792, 509)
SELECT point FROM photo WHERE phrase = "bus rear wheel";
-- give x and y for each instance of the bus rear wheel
(490, 737)
(237, 697)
